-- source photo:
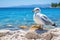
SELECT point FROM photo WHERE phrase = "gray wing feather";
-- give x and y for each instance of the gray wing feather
(45, 19)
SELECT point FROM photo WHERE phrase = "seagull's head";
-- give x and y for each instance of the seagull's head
(36, 10)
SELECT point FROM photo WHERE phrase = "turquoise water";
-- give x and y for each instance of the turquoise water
(24, 16)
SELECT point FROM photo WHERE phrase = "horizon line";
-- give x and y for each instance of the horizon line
(22, 5)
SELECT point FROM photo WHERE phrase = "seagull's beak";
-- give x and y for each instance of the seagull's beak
(32, 10)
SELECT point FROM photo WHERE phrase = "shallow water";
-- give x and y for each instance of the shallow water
(24, 16)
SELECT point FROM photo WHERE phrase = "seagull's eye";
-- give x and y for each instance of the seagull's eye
(37, 9)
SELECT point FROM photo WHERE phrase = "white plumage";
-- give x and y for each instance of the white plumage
(41, 19)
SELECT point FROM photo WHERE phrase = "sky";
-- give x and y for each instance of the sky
(10, 3)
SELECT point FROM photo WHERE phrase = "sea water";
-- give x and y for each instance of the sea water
(24, 16)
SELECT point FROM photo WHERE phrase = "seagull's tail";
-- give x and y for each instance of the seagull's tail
(54, 25)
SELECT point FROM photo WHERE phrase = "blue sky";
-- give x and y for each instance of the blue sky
(8, 3)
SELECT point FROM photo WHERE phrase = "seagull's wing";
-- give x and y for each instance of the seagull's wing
(45, 19)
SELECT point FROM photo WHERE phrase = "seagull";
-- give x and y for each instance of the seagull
(41, 19)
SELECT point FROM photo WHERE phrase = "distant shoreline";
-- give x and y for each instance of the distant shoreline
(54, 7)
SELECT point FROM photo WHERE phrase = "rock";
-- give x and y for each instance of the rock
(56, 38)
(23, 27)
(35, 27)
(32, 35)
(16, 35)
(46, 36)
(53, 34)
(3, 32)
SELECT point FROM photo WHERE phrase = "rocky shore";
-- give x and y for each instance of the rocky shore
(53, 34)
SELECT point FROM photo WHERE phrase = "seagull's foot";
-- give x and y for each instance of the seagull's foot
(40, 27)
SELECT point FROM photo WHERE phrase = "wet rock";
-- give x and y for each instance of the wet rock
(35, 27)
(23, 27)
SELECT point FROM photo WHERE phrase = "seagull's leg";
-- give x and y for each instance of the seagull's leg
(40, 27)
